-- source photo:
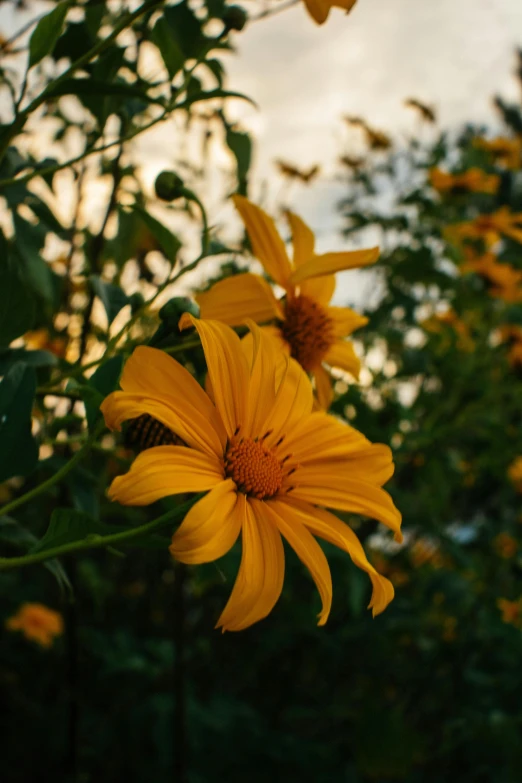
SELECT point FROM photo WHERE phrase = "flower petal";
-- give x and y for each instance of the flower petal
(156, 384)
(319, 9)
(210, 528)
(266, 243)
(260, 578)
(303, 239)
(323, 387)
(319, 288)
(345, 320)
(234, 299)
(265, 361)
(336, 490)
(329, 263)
(372, 465)
(324, 437)
(293, 402)
(307, 550)
(166, 470)
(227, 369)
(329, 527)
(342, 354)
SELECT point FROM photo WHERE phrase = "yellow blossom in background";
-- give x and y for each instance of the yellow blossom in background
(424, 551)
(505, 545)
(41, 340)
(512, 334)
(270, 466)
(449, 318)
(506, 281)
(473, 180)
(515, 473)
(37, 622)
(319, 9)
(306, 326)
(507, 152)
(511, 611)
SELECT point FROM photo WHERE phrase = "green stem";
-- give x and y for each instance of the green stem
(96, 541)
(56, 477)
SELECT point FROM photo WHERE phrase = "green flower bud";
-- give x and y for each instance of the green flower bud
(234, 17)
(169, 186)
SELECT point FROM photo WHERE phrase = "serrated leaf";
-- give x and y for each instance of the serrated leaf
(112, 297)
(46, 34)
(18, 448)
(168, 241)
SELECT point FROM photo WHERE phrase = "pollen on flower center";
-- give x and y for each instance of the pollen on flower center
(255, 468)
(308, 330)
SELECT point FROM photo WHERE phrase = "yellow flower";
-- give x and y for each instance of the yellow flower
(37, 622)
(474, 180)
(503, 150)
(515, 473)
(449, 318)
(307, 327)
(505, 545)
(271, 466)
(506, 281)
(512, 335)
(319, 9)
(511, 611)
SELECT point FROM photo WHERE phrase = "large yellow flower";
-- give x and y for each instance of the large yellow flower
(319, 9)
(270, 465)
(307, 327)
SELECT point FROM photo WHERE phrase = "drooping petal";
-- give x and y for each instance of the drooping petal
(234, 299)
(342, 354)
(345, 321)
(303, 239)
(260, 578)
(166, 470)
(227, 368)
(329, 263)
(266, 243)
(323, 387)
(210, 528)
(156, 384)
(293, 402)
(319, 288)
(329, 527)
(319, 9)
(307, 550)
(335, 490)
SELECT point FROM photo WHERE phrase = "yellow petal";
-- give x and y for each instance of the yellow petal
(319, 9)
(262, 389)
(157, 384)
(266, 243)
(166, 470)
(210, 528)
(342, 354)
(327, 526)
(261, 573)
(293, 402)
(227, 369)
(372, 465)
(307, 550)
(345, 320)
(237, 298)
(319, 288)
(325, 437)
(323, 387)
(329, 263)
(303, 239)
(358, 497)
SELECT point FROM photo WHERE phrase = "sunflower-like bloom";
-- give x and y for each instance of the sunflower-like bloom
(37, 622)
(507, 152)
(504, 279)
(307, 327)
(270, 465)
(319, 9)
(473, 180)
(490, 228)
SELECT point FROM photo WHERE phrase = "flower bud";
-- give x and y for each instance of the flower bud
(169, 186)
(234, 17)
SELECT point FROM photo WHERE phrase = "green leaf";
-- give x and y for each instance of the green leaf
(29, 240)
(16, 304)
(18, 448)
(33, 358)
(99, 88)
(240, 144)
(209, 95)
(101, 383)
(112, 297)
(168, 241)
(169, 47)
(46, 34)
(186, 29)
(68, 525)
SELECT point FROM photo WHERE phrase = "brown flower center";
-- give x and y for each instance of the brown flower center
(308, 330)
(255, 468)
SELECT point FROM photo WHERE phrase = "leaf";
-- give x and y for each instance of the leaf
(209, 95)
(185, 28)
(112, 296)
(240, 144)
(18, 448)
(46, 34)
(169, 47)
(101, 383)
(168, 241)
(29, 240)
(33, 358)
(16, 304)
(99, 88)
(68, 525)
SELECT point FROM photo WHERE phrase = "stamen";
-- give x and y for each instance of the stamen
(255, 468)
(308, 329)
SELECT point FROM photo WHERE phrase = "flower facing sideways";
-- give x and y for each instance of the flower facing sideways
(270, 466)
(306, 326)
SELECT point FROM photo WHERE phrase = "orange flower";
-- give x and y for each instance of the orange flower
(474, 180)
(506, 281)
(512, 334)
(515, 473)
(507, 152)
(449, 318)
(505, 545)
(41, 340)
(37, 622)
(511, 611)
(310, 330)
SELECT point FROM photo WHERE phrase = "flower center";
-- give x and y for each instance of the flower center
(308, 330)
(255, 468)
